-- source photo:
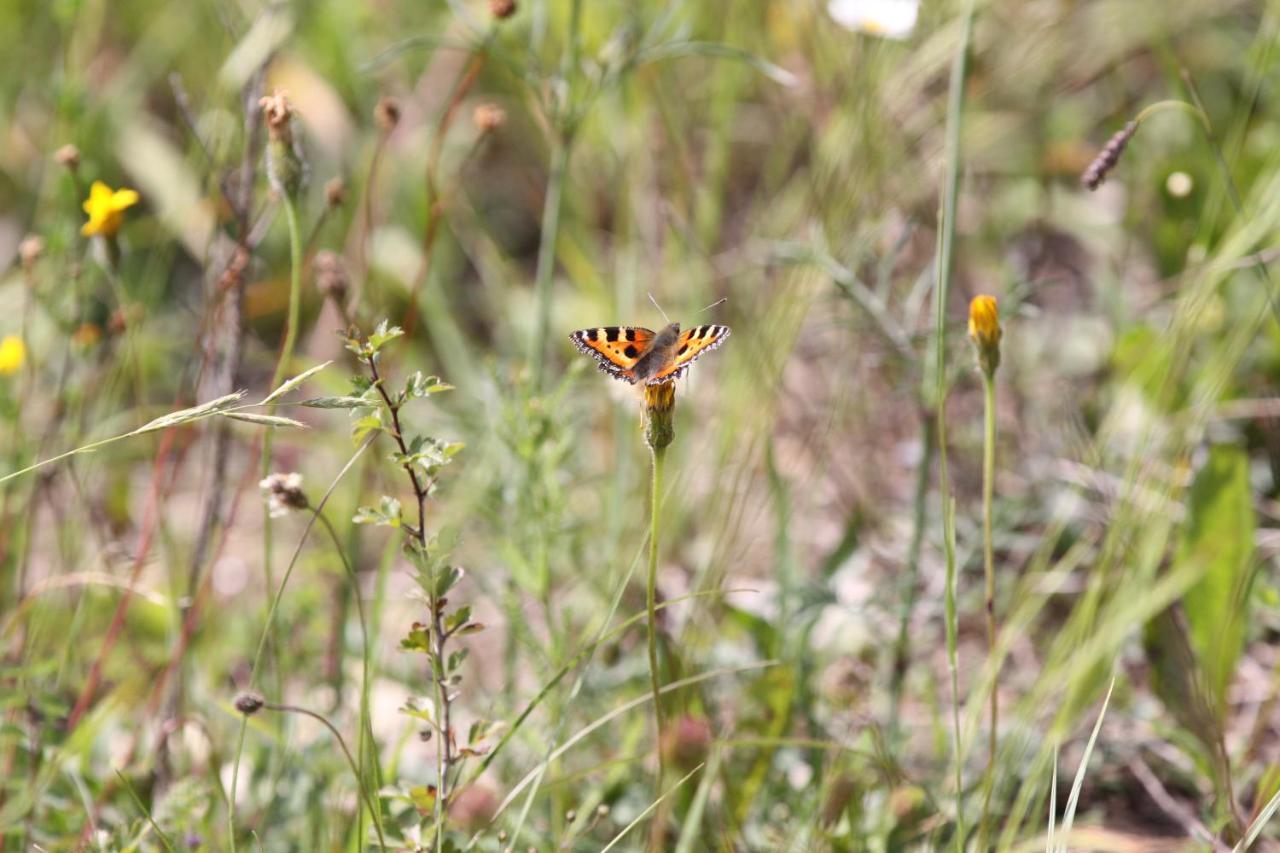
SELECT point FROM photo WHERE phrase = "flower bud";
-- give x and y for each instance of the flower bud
(335, 192)
(387, 114)
(331, 276)
(68, 156)
(30, 250)
(686, 743)
(659, 414)
(284, 161)
(249, 703)
(985, 332)
(488, 117)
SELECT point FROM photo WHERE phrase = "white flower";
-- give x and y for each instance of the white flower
(893, 19)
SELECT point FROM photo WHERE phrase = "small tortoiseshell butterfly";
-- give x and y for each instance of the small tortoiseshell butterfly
(635, 354)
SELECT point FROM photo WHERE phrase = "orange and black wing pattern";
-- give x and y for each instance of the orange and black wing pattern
(691, 344)
(616, 348)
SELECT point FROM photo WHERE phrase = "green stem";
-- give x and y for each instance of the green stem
(268, 629)
(651, 600)
(902, 647)
(366, 726)
(544, 276)
(945, 263)
(989, 570)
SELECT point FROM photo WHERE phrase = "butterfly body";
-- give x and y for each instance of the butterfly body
(638, 355)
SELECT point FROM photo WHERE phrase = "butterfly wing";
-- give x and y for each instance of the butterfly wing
(691, 344)
(616, 348)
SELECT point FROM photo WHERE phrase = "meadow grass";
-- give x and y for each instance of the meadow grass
(836, 590)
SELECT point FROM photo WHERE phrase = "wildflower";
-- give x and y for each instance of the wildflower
(659, 411)
(284, 492)
(984, 330)
(1108, 157)
(249, 703)
(488, 117)
(502, 9)
(13, 353)
(893, 19)
(284, 159)
(106, 208)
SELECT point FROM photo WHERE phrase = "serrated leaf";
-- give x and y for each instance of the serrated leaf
(265, 420)
(336, 403)
(290, 384)
(447, 578)
(456, 619)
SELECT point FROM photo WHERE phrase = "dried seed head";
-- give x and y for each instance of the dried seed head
(1108, 157)
(659, 414)
(68, 156)
(30, 250)
(488, 117)
(335, 192)
(387, 114)
(502, 9)
(249, 703)
(331, 276)
(284, 492)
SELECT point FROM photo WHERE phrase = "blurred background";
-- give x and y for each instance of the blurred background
(491, 176)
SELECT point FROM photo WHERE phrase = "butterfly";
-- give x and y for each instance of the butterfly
(636, 354)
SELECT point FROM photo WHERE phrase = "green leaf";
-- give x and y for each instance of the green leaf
(364, 426)
(289, 384)
(418, 385)
(1218, 539)
(387, 514)
(447, 578)
(382, 334)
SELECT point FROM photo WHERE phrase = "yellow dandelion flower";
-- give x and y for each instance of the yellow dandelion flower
(13, 353)
(984, 330)
(106, 208)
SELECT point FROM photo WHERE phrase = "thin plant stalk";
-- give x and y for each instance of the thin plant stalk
(366, 726)
(988, 565)
(543, 277)
(282, 365)
(944, 266)
(651, 600)
(267, 631)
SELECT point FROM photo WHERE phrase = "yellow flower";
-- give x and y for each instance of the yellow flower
(13, 352)
(984, 330)
(106, 208)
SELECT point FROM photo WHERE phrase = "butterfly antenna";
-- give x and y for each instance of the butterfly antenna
(719, 301)
(659, 307)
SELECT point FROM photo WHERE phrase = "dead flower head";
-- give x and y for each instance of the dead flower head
(284, 492)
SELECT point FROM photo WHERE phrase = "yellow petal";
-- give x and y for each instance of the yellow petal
(124, 198)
